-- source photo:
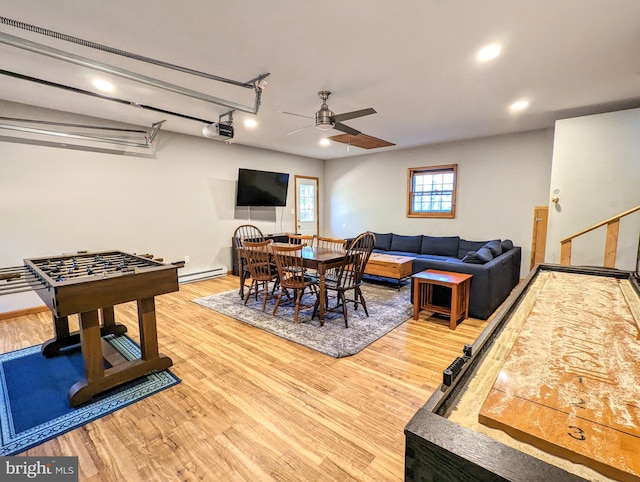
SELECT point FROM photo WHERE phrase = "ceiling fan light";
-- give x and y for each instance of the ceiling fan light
(324, 119)
(324, 122)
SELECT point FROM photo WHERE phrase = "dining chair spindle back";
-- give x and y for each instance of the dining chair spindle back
(348, 276)
(261, 270)
(245, 232)
(293, 276)
(306, 239)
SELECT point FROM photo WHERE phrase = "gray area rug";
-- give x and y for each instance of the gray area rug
(387, 306)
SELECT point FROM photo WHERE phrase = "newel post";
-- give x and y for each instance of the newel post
(611, 246)
(565, 252)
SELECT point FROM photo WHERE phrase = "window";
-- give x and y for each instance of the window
(307, 203)
(432, 192)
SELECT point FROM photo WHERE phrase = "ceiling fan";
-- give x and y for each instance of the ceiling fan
(325, 119)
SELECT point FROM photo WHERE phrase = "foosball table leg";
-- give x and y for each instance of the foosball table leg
(97, 378)
(63, 338)
(91, 339)
(148, 330)
(109, 325)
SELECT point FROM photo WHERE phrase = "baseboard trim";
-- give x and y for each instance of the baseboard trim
(27, 311)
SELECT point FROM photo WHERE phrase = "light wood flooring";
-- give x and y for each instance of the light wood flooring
(252, 406)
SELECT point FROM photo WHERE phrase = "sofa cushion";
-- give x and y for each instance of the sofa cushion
(482, 256)
(383, 241)
(436, 257)
(466, 246)
(409, 244)
(506, 244)
(495, 247)
(440, 245)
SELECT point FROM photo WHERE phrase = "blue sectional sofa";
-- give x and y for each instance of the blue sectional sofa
(494, 264)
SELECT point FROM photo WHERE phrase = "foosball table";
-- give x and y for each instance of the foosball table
(90, 285)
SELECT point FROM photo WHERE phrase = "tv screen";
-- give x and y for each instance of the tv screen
(261, 188)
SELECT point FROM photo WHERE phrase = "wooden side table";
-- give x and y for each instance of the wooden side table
(460, 285)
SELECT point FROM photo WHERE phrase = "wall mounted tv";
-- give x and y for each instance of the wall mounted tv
(261, 188)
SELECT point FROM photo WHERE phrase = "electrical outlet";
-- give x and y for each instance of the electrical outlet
(186, 259)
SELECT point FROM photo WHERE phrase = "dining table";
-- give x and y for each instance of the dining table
(320, 259)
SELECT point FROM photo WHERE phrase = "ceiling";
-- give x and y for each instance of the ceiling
(413, 61)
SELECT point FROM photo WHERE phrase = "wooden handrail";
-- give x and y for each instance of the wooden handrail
(595, 226)
(611, 244)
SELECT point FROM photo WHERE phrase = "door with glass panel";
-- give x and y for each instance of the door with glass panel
(306, 211)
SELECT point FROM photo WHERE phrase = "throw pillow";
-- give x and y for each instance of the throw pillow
(495, 247)
(466, 246)
(507, 244)
(482, 256)
(440, 245)
(409, 244)
(383, 241)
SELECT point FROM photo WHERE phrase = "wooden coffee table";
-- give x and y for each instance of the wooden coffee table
(389, 266)
(460, 285)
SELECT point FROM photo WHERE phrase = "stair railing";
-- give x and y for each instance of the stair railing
(611, 244)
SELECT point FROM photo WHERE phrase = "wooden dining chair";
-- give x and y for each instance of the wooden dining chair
(245, 232)
(348, 277)
(261, 270)
(334, 244)
(300, 239)
(293, 276)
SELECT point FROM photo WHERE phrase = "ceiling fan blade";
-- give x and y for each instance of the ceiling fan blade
(346, 129)
(354, 114)
(298, 130)
(299, 115)
(363, 141)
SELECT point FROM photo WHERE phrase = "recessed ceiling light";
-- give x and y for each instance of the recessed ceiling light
(488, 52)
(250, 123)
(324, 142)
(103, 85)
(519, 105)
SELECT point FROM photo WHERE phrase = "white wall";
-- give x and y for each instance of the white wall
(181, 203)
(596, 169)
(500, 180)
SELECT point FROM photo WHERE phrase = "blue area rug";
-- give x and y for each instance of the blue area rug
(33, 404)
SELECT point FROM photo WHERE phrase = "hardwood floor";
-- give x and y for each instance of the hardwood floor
(252, 406)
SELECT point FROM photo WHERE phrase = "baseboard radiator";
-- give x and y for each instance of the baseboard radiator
(202, 275)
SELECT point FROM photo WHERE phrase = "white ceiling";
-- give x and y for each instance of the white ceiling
(411, 60)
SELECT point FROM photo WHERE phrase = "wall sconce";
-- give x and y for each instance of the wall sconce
(555, 199)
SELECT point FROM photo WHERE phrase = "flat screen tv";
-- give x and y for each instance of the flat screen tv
(261, 188)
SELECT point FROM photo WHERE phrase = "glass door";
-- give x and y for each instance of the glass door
(306, 211)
